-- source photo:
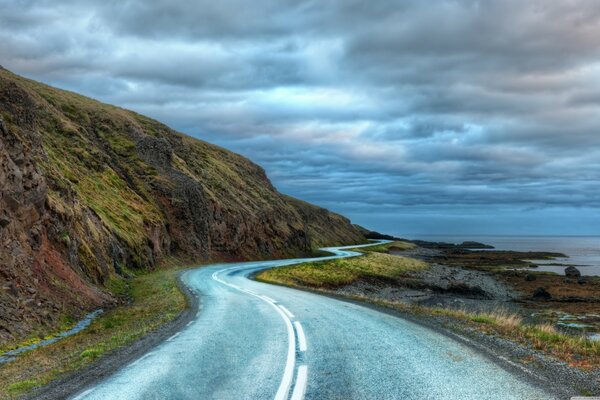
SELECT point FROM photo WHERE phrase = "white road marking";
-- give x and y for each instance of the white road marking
(173, 337)
(82, 395)
(141, 358)
(300, 387)
(288, 372)
(301, 337)
(286, 311)
(189, 323)
(267, 298)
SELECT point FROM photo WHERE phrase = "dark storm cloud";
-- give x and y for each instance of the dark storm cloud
(445, 108)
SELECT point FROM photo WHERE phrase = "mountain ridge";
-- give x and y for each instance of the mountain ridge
(93, 193)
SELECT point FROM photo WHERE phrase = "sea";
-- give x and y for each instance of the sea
(583, 251)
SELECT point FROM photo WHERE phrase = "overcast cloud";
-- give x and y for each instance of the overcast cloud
(458, 116)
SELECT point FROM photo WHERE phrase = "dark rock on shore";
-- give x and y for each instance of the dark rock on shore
(475, 245)
(541, 294)
(572, 272)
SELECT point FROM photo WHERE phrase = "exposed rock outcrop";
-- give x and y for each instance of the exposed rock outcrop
(90, 191)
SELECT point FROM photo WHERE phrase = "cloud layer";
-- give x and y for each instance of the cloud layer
(464, 116)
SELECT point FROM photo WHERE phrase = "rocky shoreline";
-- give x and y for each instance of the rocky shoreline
(466, 277)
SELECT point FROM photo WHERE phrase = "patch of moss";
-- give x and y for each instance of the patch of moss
(20, 387)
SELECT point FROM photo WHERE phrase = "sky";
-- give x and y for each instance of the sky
(409, 117)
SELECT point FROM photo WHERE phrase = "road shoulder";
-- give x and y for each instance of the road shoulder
(105, 366)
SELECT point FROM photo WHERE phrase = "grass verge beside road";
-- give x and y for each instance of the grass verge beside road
(340, 272)
(155, 300)
(327, 276)
(387, 247)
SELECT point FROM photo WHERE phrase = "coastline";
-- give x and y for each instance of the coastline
(476, 304)
(505, 353)
(545, 372)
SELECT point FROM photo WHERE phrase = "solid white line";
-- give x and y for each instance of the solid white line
(301, 337)
(267, 298)
(189, 323)
(141, 358)
(286, 381)
(286, 311)
(300, 387)
(173, 337)
(288, 373)
(82, 395)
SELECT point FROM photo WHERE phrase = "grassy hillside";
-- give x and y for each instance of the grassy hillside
(92, 193)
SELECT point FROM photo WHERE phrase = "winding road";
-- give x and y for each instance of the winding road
(252, 340)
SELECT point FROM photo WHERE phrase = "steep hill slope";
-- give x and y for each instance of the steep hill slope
(91, 192)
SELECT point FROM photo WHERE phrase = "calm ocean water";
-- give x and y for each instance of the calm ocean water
(583, 251)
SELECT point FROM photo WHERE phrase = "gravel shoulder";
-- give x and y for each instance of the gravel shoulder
(528, 363)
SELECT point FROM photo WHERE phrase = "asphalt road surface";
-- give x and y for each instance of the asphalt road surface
(252, 340)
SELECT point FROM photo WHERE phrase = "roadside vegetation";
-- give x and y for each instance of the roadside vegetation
(577, 351)
(327, 276)
(154, 301)
(332, 274)
(387, 247)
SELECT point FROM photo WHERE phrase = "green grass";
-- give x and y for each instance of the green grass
(21, 387)
(324, 276)
(387, 247)
(341, 272)
(155, 300)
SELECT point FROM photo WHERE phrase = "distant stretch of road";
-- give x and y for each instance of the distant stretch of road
(252, 340)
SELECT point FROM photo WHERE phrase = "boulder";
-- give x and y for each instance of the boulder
(572, 272)
(530, 277)
(541, 294)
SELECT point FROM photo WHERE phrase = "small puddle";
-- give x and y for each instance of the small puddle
(81, 325)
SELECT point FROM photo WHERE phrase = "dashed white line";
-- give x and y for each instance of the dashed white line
(286, 311)
(301, 378)
(189, 323)
(300, 387)
(288, 373)
(301, 337)
(173, 337)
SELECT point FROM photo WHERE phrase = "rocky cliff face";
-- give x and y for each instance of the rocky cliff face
(90, 193)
